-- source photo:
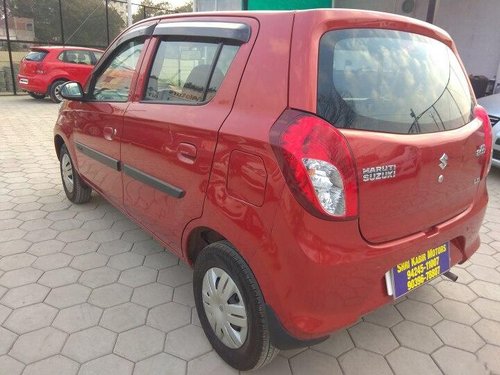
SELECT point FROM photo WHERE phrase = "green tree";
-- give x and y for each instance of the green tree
(84, 22)
(150, 8)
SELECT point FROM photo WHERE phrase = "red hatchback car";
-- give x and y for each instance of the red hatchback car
(44, 69)
(311, 166)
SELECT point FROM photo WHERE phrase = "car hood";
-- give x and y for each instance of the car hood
(491, 104)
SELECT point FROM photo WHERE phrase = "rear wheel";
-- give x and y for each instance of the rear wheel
(36, 95)
(231, 307)
(76, 190)
(55, 91)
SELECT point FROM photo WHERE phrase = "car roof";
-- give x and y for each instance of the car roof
(491, 103)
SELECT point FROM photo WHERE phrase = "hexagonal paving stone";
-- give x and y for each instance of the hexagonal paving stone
(135, 235)
(58, 363)
(13, 247)
(360, 362)
(41, 235)
(175, 276)
(169, 316)
(484, 273)
(109, 365)
(490, 356)
(125, 261)
(489, 330)
(446, 358)
(161, 260)
(99, 277)
(187, 342)
(487, 308)
(152, 294)
(16, 261)
(312, 362)
(387, 316)
(124, 317)
(157, 364)
(482, 259)
(89, 344)
(20, 277)
(68, 295)
(10, 366)
(419, 312)
(30, 318)
(59, 277)
(458, 335)
(105, 235)
(110, 295)
(80, 247)
(337, 344)
(147, 247)
(4, 313)
(36, 224)
(184, 294)
(7, 338)
(77, 318)
(73, 235)
(455, 291)
(97, 225)
(52, 261)
(457, 311)
(405, 362)
(372, 337)
(138, 276)
(114, 247)
(11, 234)
(123, 225)
(486, 289)
(209, 363)
(25, 295)
(89, 261)
(37, 345)
(139, 343)
(417, 336)
(46, 247)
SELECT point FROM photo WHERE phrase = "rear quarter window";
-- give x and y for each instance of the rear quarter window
(391, 81)
(36, 55)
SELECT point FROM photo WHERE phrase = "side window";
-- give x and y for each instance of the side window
(97, 55)
(76, 57)
(113, 83)
(188, 71)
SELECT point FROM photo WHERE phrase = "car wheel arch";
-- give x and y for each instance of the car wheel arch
(58, 143)
(197, 239)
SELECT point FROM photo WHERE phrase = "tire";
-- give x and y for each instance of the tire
(54, 91)
(36, 95)
(225, 290)
(76, 190)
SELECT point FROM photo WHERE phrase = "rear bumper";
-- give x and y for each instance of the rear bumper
(32, 84)
(320, 276)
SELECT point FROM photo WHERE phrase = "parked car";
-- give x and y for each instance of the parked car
(310, 165)
(44, 69)
(492, 105)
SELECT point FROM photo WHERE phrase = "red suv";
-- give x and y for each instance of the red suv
(311, 166)
(44, 69)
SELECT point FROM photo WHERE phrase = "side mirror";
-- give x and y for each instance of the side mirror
(72, 91)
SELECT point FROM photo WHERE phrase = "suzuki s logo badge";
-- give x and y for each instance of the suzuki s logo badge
(444, 161)
(481, 150)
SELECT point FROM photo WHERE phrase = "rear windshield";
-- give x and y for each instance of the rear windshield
(36, 55)
(391, 81)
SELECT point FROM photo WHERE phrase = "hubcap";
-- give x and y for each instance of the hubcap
(67, 173)
(57, 92)
(225, 308)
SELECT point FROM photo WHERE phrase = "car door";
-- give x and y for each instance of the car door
(171, 127)
(98, 121)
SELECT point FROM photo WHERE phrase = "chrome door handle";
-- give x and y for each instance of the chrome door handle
(108, 132)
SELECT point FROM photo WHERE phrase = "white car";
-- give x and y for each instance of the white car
(492, 105)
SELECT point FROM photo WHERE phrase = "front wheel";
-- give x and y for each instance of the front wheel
(76, 190)
(231, 307)
(55, 91)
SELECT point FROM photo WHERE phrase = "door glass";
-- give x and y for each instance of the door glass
(182, 70)
(114, 82)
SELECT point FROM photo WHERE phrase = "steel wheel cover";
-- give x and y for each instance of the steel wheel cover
(67, 173)
(225, 308)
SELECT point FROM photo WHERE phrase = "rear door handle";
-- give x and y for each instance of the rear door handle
(186, 152)
(109, 133)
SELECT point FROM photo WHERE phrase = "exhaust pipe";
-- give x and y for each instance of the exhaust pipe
(450, 275)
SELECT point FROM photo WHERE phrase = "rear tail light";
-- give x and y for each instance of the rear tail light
(480, 113)
(317, 164)
(39, 68)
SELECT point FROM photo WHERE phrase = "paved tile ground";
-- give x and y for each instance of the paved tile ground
(83, 290)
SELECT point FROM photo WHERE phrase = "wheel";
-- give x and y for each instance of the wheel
(76, 190)
(231, 307)
(36, 95)
(55, 91)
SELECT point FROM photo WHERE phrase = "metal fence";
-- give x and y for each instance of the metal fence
(84, 23)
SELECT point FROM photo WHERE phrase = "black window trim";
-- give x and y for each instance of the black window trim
(232, 31)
